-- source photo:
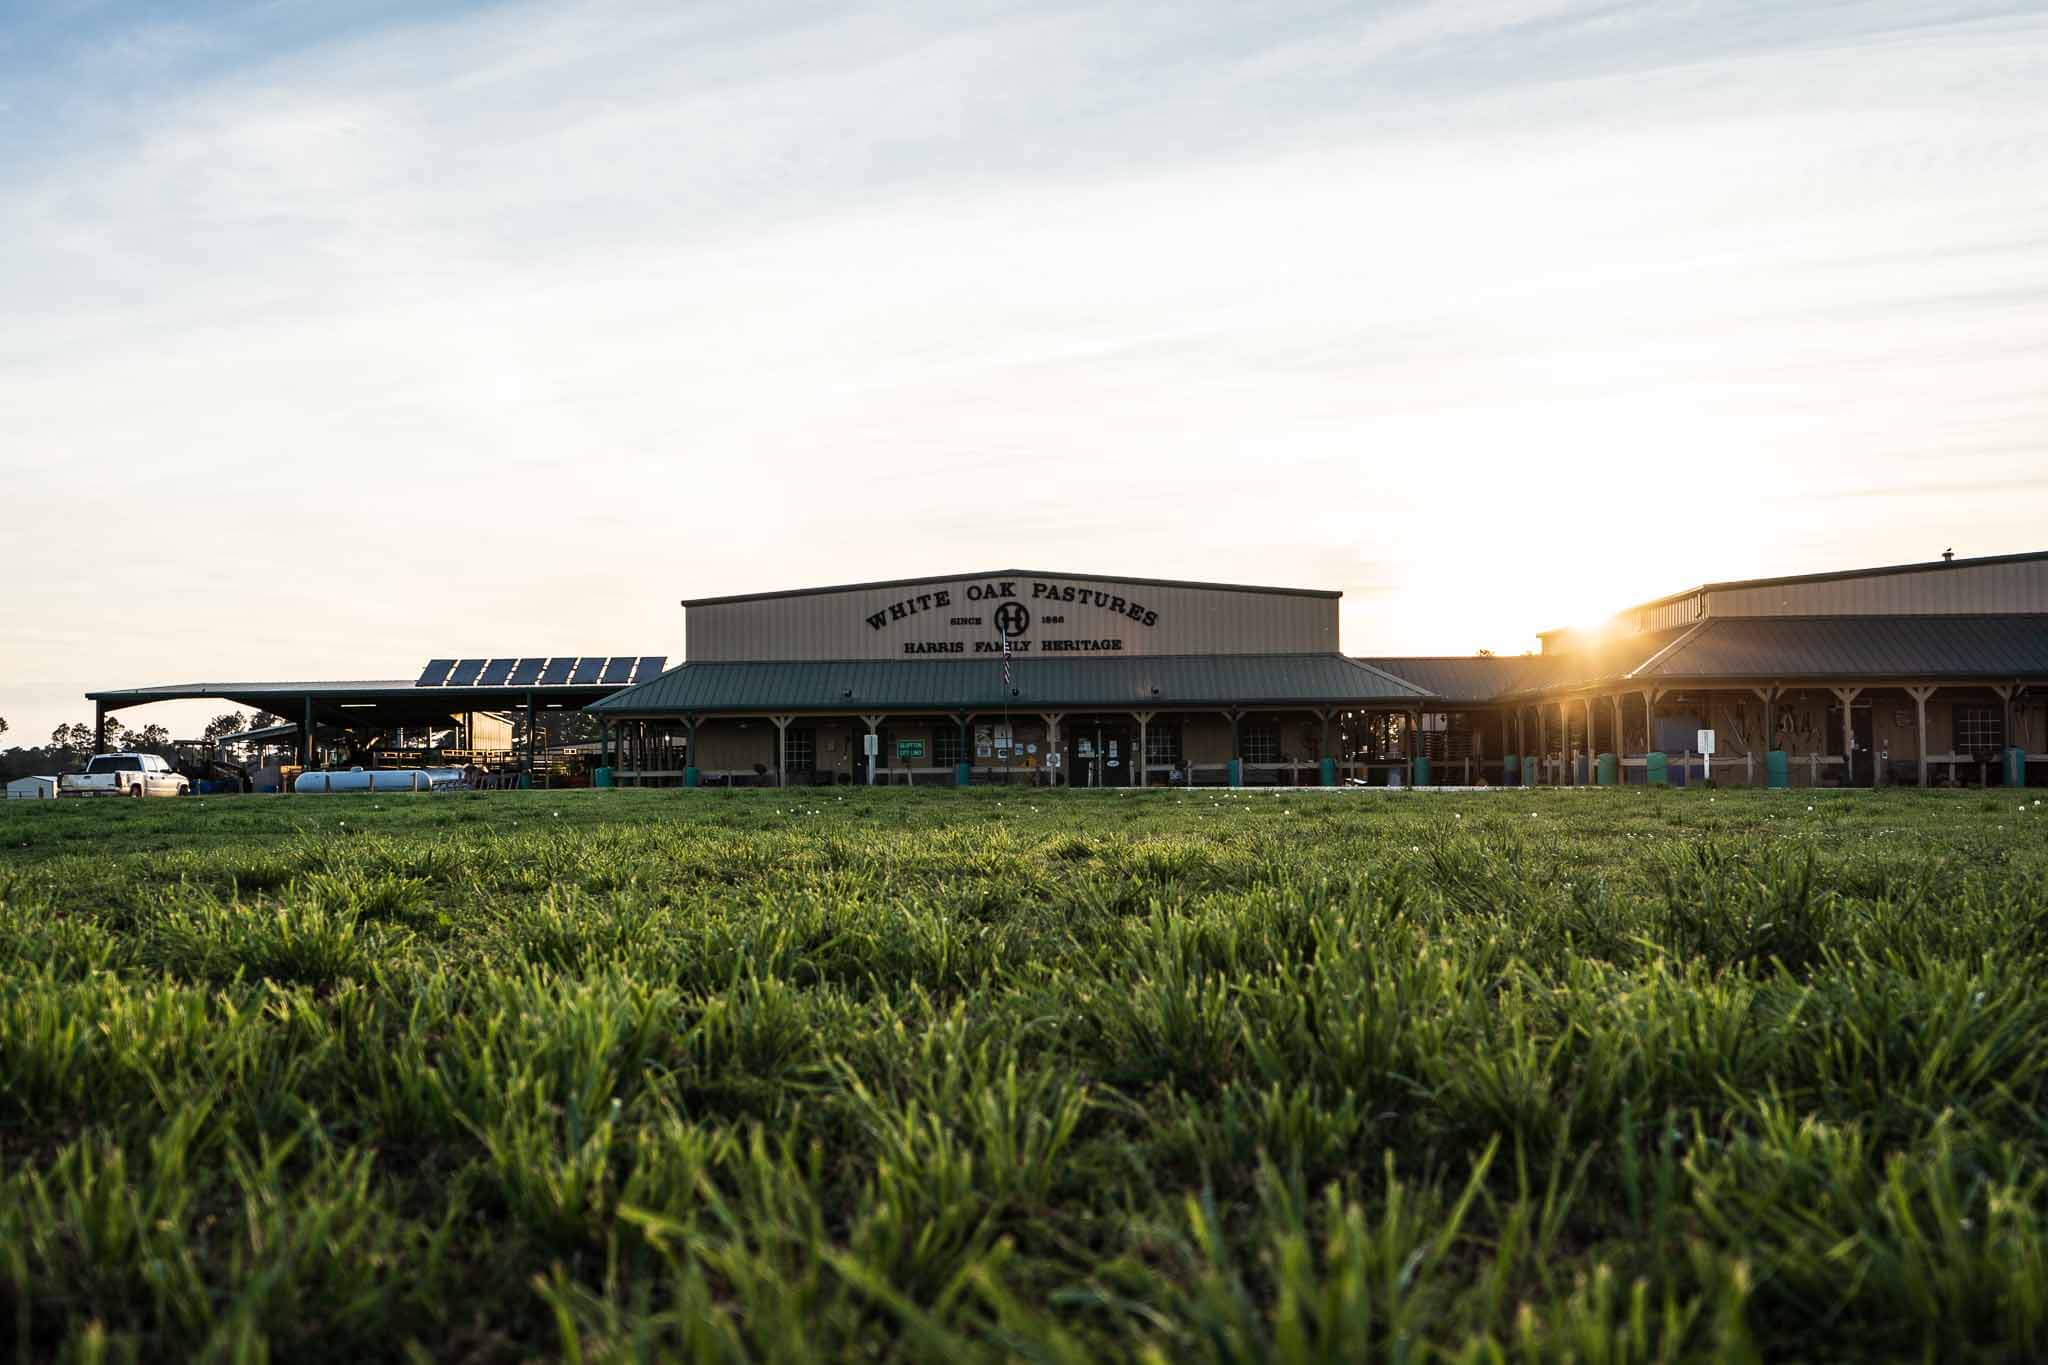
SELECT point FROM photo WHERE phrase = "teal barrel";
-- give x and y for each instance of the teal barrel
(1511, 771)
(601, 777)
(2015, 766)
(1777, 769)
(1237, 772)
(1531, 770)
(1656, 771)
(690, 776)
(963, 773)
(1609, 772)
(1422, 773)
(1329, 766)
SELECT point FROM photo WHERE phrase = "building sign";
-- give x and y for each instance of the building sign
(1029, 615)
(910, 748)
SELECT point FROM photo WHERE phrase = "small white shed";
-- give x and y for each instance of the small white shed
(32, 789)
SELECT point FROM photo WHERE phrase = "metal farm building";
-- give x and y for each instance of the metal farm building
(1919, 674)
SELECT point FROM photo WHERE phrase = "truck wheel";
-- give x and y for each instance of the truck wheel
(135, 791)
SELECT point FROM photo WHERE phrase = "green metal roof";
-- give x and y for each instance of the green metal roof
(1471, 678)
(372, 702)
(946, 684)
(1903, 647)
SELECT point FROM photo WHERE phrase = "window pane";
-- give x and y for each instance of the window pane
(1979, 730)
(1162, 744)
(1262, 743)
(800, 752)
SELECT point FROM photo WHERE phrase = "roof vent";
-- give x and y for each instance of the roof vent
(1947, 555)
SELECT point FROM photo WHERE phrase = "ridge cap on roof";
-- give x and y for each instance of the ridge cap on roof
(830, 588)
(1826, 575)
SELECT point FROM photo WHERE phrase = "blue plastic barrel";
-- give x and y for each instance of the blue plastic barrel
(1777, 769)
(1236, 772)
(963, 773)
(1656, 771)
(2015, 766)
(1608, 773)
(1422, 773)
(1329, 774)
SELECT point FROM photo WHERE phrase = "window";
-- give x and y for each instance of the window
(1979, 730)
(1162, 745)
(946, 748)
(115, 763)
(800, 750)
(1261, 742)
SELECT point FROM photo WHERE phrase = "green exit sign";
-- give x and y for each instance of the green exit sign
(910, 748)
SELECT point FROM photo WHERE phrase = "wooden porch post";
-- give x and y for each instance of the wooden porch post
(874, 724)
(1542, 743)
(1770, 699)
(1052, 721)
(781, 724)
(1144, 719)
(1920, 695)
(1845, 695)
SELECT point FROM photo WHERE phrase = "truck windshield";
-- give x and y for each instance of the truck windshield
(114, 763)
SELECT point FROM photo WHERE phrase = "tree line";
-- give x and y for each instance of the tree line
(71, 745)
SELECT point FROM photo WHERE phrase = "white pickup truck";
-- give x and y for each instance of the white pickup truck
(124, 775)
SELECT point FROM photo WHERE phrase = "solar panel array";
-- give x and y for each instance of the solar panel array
(543, 671)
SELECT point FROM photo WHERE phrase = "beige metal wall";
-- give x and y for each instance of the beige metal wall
(1082, 617)
(1682, 611)
(2019, 587)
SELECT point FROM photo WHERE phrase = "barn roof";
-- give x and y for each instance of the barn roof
(953, 684)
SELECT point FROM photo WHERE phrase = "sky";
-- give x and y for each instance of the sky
(337, 337)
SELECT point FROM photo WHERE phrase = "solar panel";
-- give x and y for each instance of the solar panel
(464, 674)
(496, 671)
(586, 672)
(527, 672)
(619, 670)
(557, 672)
(650, 667)
(435, 673)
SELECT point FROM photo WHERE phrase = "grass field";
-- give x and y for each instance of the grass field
(1188, 1077)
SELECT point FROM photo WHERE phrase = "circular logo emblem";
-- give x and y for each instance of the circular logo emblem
(1012, 619)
